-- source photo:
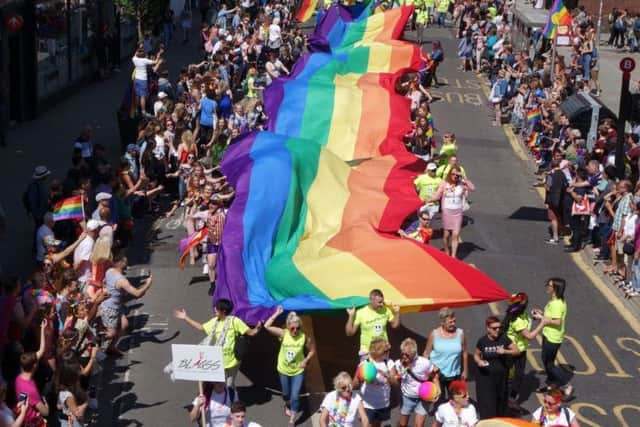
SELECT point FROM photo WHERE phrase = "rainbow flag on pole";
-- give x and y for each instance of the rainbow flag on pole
(190, 242)
(534, 116)
(69, 208)
(558, 15)
(340, 185)
(306, 10)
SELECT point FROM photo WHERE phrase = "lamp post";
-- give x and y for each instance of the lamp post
(598, 24)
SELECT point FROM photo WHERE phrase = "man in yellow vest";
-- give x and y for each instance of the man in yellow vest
(421, 18)
(442, 7)
(431, 7)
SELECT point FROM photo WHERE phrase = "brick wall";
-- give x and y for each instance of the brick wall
(592, 6)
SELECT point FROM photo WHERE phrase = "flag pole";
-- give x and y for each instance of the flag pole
(84, 218)
(203, 409)
(553, 57)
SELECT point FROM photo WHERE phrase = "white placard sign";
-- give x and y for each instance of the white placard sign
(197, 362)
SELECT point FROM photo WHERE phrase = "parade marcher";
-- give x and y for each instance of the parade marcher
(341, 406)
(372, 320)
(447, 349)
(216, 401)
(223, 330)
(554, 319)
(238, 416)
(457, 411)
(426, 185)
(413, 370)
(490, 356)
(291, 360)
(553, 413)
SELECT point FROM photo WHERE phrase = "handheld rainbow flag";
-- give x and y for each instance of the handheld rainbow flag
(306, 10)
(69, 208)
(533, 139)
(558, 15)
(534, 116)
(189, 243)
(326, 235)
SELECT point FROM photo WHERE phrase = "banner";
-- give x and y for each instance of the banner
(197, 362)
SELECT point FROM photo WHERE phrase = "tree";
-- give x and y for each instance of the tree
(147, 13)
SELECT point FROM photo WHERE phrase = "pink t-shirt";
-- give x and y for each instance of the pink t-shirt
(29, 387)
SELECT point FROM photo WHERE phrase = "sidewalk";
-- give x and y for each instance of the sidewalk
(48, 140)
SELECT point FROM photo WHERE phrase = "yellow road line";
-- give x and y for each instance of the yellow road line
(577, 258)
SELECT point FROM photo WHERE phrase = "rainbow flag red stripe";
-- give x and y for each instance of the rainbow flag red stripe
(534, 116)
(558, 15)
(306, 10)
(69, 208)
(533, 139)
(189, 243)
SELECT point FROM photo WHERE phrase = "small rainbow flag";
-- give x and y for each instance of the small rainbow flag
(558, 15)
(533, 139)
(189, 243)
(306, 10)
(534, 116)
(69, 208)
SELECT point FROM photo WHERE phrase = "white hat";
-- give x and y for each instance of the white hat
(102, 196)
(431, 166)
(229, 38)
(162, 95)
(50, 240)
(93, 225)
(40, 172)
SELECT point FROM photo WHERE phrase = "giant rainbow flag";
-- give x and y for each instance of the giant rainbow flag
(320, 197)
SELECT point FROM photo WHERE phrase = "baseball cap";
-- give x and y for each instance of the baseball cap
(93, 225)
(102, 196)
(133, 147)
(162, 95)
(51, 241)
(431, 166)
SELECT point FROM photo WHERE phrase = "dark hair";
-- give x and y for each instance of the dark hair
(224, 306)
(28, 361)
(119, 256)
(376, 293)
(559, 285)
(610, 171)
(491, 319)
(238, 407)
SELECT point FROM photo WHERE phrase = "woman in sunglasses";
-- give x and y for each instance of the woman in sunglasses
(491, 356)
(413, 370)
(552, 412)
(291, 360)
(457, 411)
(340, 407)
(452, 195)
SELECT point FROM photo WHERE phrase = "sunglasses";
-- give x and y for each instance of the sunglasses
(345, 388)
(462, 396)
(294, 328)
(549, 402)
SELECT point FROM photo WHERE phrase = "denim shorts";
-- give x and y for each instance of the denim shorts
(141, 87)
(375, 415)
(412, 404)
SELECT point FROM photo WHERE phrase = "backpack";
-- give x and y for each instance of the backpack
(620, 24)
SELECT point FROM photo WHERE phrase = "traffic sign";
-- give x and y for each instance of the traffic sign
(627, 64)
(14, 22)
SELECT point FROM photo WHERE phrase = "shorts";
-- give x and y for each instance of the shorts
(110, 317)
(375, 415)
(212, 249)
(141, 87)
(412, 404)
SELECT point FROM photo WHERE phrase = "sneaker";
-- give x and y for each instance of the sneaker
(205, 269)
(632, 293)
(552, 241)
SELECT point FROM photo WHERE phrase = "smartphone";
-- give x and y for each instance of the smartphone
(22, 397)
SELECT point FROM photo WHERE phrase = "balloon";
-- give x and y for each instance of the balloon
(367, 372)
(429, 391)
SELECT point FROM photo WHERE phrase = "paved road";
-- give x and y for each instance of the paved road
(504, 238)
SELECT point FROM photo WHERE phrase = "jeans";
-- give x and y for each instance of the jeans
(586, 66)
(555, 374)
(182, 188)
(579, 228)
(441, 18)
(291, 386)
(605, 232)
(635, 275)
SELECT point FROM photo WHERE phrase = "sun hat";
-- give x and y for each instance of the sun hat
(40, 172)
(102, 196)
(93, 225)
(432, 166)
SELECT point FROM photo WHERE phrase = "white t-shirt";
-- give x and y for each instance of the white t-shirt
(421, 368)
(274, 32)
(446, 415)
(452, 196)
(83, 253)
(377, 395)
(332, 403)
(42, 233)
(141, 67)
(219, 409)
(560, 420)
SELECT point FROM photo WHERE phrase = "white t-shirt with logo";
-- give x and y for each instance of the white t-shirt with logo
(377, 395)
(219, 409)
(560, 420)
(446, 415)
(140, 65)
(421, 367)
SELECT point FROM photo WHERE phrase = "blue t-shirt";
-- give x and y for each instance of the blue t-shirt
(207, 110)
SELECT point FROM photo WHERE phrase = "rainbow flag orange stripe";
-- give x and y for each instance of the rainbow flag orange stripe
(69, 208)
(306, 10)
(534, 116)
(558, 15)
(189, 243)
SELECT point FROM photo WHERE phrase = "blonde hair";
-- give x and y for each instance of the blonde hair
(187, 138)
(293, 317)
(341, 380)
(378, 347)
(409, 346)
(445, 312)
(101, 249)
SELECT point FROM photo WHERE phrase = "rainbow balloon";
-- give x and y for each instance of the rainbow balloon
(320, 197)
(429, 391)
(366, 372)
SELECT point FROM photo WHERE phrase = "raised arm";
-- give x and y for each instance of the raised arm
(182, 314)
(268, 325)
(350, 328)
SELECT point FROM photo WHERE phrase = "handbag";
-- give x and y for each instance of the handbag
(628, 248)
(581, 208)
